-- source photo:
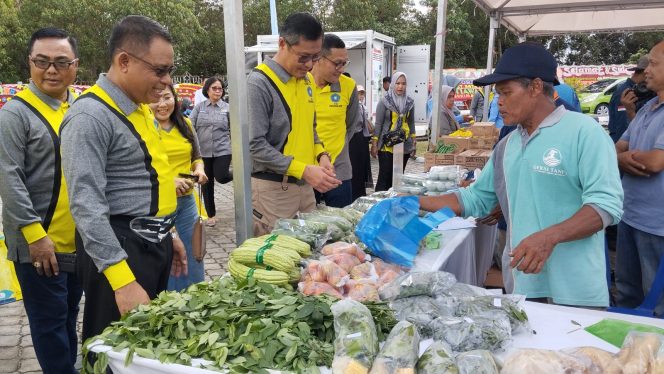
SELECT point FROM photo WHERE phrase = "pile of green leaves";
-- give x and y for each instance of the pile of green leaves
(244, 327)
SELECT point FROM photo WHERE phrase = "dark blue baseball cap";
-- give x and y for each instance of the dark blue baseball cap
(528, 60)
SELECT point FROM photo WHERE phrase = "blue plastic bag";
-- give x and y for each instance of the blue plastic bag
(392, 229)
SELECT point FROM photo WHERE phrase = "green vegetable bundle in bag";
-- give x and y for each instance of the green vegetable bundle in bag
(356, 342)
(400, 351)
(437, 359)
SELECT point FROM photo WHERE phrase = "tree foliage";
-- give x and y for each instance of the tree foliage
(198, 30)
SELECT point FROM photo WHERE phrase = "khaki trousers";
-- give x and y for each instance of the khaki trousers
(274, 200)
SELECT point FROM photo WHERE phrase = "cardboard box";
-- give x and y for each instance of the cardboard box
(473, 158)
(436, 159)
(461, 143)
(483, 142)
(484, 129)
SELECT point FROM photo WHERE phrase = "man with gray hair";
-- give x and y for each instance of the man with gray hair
(289, 160)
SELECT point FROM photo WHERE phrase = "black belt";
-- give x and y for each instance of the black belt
(274, 177)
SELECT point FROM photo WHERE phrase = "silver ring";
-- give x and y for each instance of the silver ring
(37, 264)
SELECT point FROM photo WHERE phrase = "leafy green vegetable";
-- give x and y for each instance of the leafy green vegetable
(245, 327)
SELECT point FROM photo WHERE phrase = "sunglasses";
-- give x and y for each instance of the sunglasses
(159, 71)
(43, 64)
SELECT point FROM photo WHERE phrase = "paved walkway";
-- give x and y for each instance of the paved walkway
(16, 350)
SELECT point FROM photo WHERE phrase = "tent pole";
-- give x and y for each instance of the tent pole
(237, 86)
(273, 17)
(493, 26)
(439, 60)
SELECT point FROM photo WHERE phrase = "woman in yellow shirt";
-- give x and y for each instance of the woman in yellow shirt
(184, 156)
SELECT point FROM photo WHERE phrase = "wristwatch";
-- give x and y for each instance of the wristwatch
(323, 154)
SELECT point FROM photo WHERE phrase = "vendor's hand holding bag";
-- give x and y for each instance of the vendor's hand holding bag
(198, 238)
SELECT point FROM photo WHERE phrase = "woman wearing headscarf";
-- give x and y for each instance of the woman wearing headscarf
(394, 115)
(447, 124)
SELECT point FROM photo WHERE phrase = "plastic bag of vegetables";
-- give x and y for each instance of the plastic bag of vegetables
(476, 362)
(317, 216)
(313, 233)
(437, 359)
(463, 290)
(420, 310)
(400, 351)
(352, 215)
(417, 284)
(506, 303)
(355, 343)
(491, 332)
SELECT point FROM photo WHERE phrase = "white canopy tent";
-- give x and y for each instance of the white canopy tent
(555, 17)
(522, 17)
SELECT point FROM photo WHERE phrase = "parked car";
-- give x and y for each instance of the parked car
(595, 97)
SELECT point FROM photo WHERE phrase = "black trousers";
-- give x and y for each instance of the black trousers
(216, 168)
(385, 160)
(358, 150)
(150, 263)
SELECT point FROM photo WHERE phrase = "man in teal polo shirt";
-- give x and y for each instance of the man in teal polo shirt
(557, 182)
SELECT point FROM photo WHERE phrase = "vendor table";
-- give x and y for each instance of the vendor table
(552, 325)
(466, 253)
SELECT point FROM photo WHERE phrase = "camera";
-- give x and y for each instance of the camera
(643, 94)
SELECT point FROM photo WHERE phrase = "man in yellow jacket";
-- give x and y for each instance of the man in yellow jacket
(35, 209)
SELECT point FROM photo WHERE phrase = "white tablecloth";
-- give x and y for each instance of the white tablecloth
(552, 324)
(466, 253)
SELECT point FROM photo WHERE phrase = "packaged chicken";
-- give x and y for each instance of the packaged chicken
(343, 247)
(546, 361)
(605, 362)
(318, 288)
(364, 270)
(642, 353)
(344, 260)
(362, 290)
(325, 271)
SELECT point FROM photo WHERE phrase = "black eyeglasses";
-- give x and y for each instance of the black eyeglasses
(159, 71)
(338, 65)
(44, 64)
(303, 59)
(216, 88)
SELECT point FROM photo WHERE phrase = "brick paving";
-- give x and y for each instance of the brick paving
(16, 350)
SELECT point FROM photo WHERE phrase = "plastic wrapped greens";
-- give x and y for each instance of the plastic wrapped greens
(352, 215)
(420, 310)
(437, 359)
(313, 233)
(356, 342)
(476, 332)
(400, 351)
(506, 303)
(464, 290)
(316, 216)
(416, 284)
(477, 362)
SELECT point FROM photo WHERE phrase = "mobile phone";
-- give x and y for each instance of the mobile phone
(189, 176)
